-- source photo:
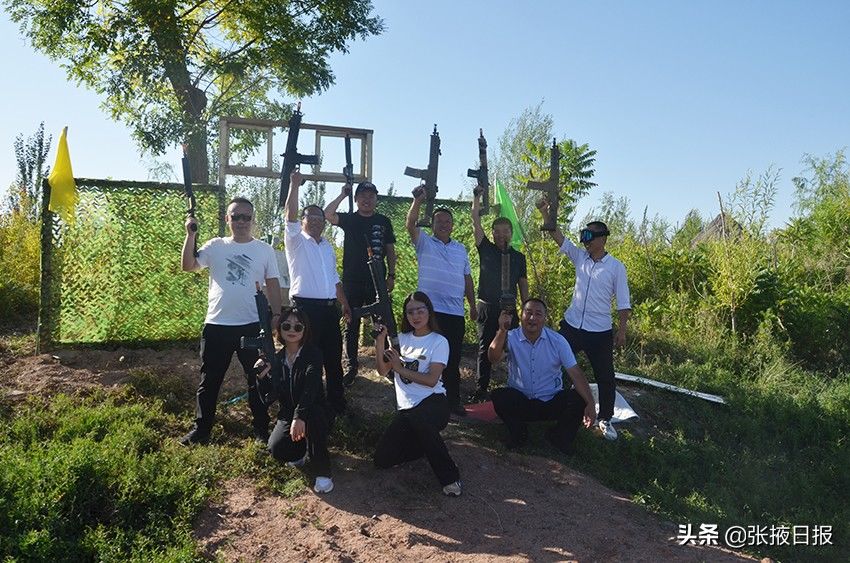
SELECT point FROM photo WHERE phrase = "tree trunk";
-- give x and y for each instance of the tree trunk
(198, 159)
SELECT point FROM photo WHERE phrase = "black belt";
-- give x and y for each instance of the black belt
(310, 301)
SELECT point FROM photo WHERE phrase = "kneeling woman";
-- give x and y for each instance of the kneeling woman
(423, 410)
(301, 430)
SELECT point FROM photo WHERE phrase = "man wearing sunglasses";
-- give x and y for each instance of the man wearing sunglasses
(587, 322)
(316, 288)
(363, 227)
(235, 264)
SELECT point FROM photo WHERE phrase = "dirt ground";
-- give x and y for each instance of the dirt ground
(514, 507)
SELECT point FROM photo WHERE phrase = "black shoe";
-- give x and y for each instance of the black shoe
(195, 436)
(481, 395)
(559, 443)
(348, 378)
(457, 409)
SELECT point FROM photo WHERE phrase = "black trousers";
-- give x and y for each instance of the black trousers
(515, 410)
(599, 349)
(218, 343)
(327, 337)
(358, 294)
(414, 433)
(488, 324)
(283, 449)
(451, 327)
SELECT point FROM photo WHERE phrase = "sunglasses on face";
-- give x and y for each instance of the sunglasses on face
(240, 217)
(290, 326)
(586, 235)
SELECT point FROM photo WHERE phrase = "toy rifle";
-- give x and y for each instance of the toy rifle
(551, 189)
(264, 342)
(381, 310)
(190, 194)
(291, 158)
(482, 175)
(428, 177)
(348, 172)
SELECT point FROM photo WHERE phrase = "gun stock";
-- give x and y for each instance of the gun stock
(265, 340)
(482, 175)
(551, 189)
(428, 177)
(190, 193)
(381, 311)
(292, 158)
(348, 172)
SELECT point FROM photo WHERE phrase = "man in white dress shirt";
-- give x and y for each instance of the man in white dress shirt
(315, 287)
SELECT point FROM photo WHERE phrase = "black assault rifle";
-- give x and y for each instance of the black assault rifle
(551, 189)
(190, 194)
(348, 172)
(429, 178)
(482, 175)
(291, 158)
(381, 310)
(265, 340)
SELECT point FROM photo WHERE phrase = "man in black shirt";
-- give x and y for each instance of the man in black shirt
(491, 295)
(362, 227)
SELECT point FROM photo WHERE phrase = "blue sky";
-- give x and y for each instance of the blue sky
(680, 99)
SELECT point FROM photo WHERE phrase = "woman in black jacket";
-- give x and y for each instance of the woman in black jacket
(301, 431)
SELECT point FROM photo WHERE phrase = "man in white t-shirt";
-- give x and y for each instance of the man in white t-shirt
(235, 263)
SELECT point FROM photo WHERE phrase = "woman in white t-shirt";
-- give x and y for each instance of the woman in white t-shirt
(423, 410)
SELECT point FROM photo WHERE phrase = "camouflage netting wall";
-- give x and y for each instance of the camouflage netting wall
(114, 276)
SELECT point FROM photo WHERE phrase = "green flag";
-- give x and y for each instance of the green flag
(506, 209)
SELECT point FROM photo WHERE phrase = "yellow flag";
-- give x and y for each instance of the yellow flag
(63, 190)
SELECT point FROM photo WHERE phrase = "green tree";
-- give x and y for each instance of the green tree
(169, 68)
(30, 156)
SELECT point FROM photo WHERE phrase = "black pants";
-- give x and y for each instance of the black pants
(358, 294)
(283, 449)
(515, 410)
(414, 433)
(327, 337)
(218, 343)
(488, 324)
(599, 349)
(451, 327)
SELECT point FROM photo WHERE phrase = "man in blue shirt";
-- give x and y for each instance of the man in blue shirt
(535, 388)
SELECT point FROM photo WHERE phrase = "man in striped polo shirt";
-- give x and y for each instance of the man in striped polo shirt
(445, 276)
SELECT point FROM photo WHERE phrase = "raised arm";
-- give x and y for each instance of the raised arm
(330, 209)
(557, 235)
(413, 216)
(497, 348)
(295, 180)
(476, 217)
(188, 261)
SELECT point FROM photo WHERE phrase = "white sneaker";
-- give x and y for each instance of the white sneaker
(298, 462)
(452, 489)
(323, 485)
(608, 430)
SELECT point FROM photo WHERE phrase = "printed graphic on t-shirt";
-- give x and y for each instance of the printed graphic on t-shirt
(376, 240)
(238, 267)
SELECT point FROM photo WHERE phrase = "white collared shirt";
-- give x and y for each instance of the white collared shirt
(597, 282)
(312, 265)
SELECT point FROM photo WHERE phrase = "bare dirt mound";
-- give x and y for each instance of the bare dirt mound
(514, 508)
